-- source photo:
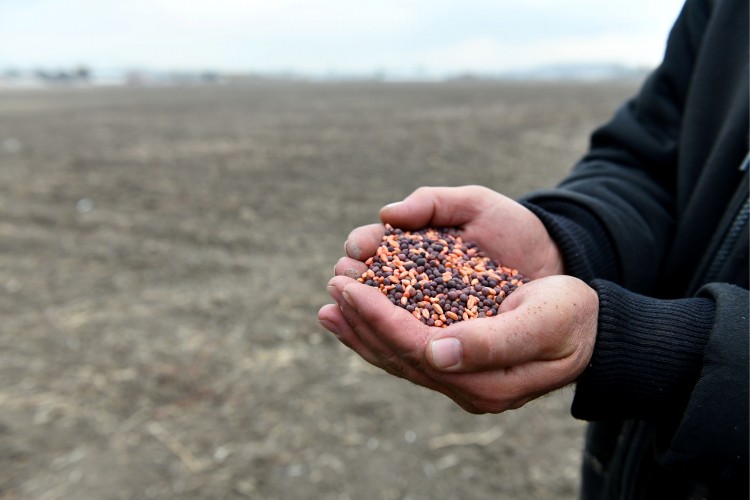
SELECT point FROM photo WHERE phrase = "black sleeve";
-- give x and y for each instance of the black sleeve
(626, 182)
(680, 364)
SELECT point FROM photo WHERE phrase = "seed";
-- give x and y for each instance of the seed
(437, 277)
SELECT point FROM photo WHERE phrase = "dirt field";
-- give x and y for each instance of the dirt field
(163, 255)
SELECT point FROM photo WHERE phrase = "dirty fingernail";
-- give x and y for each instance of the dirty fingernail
(352, 273)
(446, 353)
(352, 249)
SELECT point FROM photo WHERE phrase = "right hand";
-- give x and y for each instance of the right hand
(504, 230)
(541, 340)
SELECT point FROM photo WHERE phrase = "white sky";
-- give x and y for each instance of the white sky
(324, 36)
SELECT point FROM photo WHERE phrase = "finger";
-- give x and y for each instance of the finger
(335, 288)
(340, 320)
(363, 241)
(394, 326)
(391, 332)
(367, 332)
(332, 319)
(366, 340)
(437, 206)
(352, 268)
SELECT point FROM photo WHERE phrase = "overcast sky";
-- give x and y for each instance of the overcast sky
(324, 36)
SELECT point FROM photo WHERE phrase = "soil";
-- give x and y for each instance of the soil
(163, 255)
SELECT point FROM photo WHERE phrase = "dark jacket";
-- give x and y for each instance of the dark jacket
(655, 217)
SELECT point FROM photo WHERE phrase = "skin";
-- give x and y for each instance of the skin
(542, 339)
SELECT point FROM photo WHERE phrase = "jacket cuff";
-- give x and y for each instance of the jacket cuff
(580, 237)
(647, 357)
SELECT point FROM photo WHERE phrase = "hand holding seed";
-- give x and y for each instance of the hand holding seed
(541, 340)
(504, 229)
(535, 340)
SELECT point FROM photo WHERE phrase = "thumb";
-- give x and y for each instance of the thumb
(436, 206)
(483, 344)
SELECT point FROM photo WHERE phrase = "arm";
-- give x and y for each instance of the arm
(614, 216)
(681, 364)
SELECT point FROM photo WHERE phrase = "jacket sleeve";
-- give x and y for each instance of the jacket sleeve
(620, 199)
(681, 364)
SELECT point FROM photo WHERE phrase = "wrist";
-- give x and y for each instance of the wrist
(582, 244)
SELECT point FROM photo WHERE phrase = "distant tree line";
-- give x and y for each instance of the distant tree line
(78, 74)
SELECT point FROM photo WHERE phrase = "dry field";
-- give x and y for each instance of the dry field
(163, 255)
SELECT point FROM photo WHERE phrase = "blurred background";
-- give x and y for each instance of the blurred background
(321, 39)
(177, 180)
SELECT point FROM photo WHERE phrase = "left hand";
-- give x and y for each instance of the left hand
(541, 340)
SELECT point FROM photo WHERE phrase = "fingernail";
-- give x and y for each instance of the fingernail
(330, 326)
(352, 250)
(392, 205)
(352, 273)
(446, 352)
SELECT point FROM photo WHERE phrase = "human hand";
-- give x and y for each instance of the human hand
(504, 230)
(541, 340)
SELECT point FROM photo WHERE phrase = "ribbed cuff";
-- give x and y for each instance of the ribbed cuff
(583, 242)
(647, 358)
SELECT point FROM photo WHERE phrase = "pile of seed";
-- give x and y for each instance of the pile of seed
(438, 277)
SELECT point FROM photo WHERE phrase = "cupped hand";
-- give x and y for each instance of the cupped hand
(504, 230)
(541, 340)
